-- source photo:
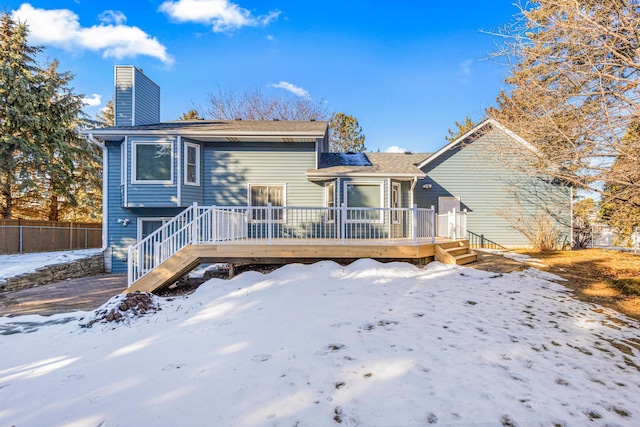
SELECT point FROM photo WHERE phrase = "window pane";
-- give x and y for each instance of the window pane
(259, 195)
(191, 173)
(191, 155)
(149, 226)
(153, 162)
(363, 196)
(275, 195)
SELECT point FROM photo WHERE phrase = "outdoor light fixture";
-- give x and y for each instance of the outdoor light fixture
(124, 222)
(426, 186)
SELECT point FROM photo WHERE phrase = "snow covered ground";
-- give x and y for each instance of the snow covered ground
(14, 265)
(369, 344)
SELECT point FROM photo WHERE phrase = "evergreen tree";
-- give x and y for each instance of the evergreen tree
(190, 115)
(72, 161)
(106, 116)
(21, 89)
(345, 134)
(44, 163)
(463, 128)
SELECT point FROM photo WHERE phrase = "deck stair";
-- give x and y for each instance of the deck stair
(457, 252)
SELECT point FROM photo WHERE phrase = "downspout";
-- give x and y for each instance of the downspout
(104, 189)
(413, 186)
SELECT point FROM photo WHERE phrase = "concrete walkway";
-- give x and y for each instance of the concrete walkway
(86, 293)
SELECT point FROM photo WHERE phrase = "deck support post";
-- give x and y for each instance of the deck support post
(231, 271)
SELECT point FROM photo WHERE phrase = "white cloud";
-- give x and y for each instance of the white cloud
(464, 68)
(61, 28)
(395, 149)
(92, 101)
(112, 17)
(291, 88)
(222, 15)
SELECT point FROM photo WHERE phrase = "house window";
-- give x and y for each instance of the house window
(330, 196)
(260, 195)
(395, 202)
(363, 195)
(152, 162)
(192, 164)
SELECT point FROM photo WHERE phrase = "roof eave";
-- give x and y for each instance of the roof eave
(364, 174)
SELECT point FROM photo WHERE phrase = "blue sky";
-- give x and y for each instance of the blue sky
(407, 70)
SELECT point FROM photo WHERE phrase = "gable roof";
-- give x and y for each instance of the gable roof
(391, 165)
(461, 139)
(221, 130)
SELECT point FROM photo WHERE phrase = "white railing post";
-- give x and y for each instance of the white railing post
(414, 224)
(433, 224)
(194, 223)
(269, 230)
(451, 226)
(343, 220)
(130, 265)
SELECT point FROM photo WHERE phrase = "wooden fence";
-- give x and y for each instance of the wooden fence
(23, 236)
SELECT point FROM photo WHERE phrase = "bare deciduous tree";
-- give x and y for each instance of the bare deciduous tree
(256, 105)
(574, 89)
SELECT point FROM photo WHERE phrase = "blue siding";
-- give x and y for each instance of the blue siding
(151, 195)
(123, 102)
(137, 98)
(146, 100)
(191, 193)
(492, 191)
(118, 236)
(230, 167)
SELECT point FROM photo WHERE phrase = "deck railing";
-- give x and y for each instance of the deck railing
(452, 225)
(269, 224)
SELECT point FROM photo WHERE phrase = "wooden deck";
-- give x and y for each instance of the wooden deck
(282, 252)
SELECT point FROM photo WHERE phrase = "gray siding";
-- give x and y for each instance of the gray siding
(490, 190)
(146, 100)
(191, 193)
(151, 195)
(123, 102)
(229, 167)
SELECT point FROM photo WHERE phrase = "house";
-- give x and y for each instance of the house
(232, 181)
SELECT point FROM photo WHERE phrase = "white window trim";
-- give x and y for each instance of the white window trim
(134, 157)
(329, 216)
(371, 183)
(284, 201)
(186, 164)
(164, 220)
(395, 215)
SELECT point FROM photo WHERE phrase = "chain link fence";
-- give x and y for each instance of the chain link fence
(600, 235)
(25, 236)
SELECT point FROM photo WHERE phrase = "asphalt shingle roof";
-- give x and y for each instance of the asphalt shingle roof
(224, 126)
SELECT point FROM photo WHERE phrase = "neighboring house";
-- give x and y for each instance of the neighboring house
(153, 171)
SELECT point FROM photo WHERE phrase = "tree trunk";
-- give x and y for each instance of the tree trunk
(53, 208)
(8, 201)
